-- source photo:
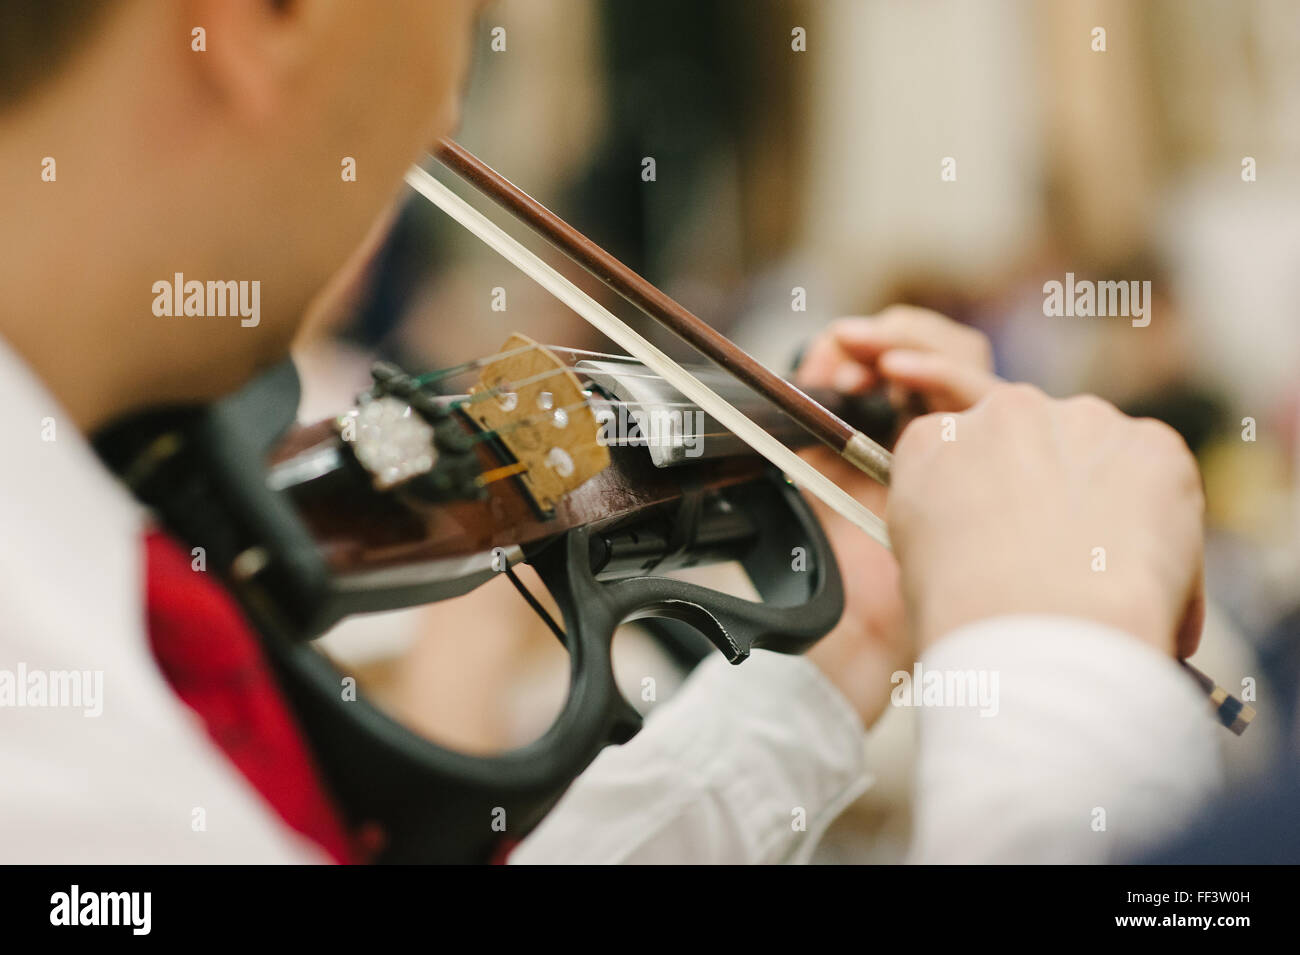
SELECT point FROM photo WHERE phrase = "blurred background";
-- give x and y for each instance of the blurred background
(1171, 156)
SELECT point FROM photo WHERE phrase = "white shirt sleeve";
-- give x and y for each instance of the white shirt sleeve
(744, 764)
(1099, 746)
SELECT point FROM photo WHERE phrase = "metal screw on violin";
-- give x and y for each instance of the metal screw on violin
(603, 472)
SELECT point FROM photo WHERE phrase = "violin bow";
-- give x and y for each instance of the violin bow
(849, 443)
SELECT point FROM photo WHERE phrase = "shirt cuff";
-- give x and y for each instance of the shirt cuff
(1090, 746)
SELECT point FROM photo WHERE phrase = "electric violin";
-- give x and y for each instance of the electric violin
(587, 467)
(601, 471)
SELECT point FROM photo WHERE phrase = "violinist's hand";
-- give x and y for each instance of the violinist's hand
(1007, 515)
(948, 367)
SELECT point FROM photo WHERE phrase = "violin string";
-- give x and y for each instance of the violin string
(475, 363)
(594, 354)
(622, 334)
(451, 371)
(510, 470)
(488, 433)
(510, 386)
(519, 467)
(653, 404)
(645, 442)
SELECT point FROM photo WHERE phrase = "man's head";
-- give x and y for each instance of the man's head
(208, 138)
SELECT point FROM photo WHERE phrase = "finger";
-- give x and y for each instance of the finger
(826, 365)
(906, 327)
(818, 362)
(945, 383)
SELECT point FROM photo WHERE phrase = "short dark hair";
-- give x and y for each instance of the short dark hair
(37, 37)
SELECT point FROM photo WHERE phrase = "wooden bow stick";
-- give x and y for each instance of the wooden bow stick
(853, 445)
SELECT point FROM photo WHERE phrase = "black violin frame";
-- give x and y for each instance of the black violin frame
(434, 804)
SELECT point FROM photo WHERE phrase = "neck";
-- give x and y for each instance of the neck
(66, 285)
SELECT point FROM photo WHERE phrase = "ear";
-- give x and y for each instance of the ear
(254, 50)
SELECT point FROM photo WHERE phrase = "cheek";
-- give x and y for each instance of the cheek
(438, 51)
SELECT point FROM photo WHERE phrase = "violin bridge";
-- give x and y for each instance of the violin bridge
(536, 407)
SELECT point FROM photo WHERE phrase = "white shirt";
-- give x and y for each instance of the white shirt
(1101, 746)
(744, 764)
(141, 782)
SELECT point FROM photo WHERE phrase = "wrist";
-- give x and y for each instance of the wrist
(863, 682)
(1128, 605)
